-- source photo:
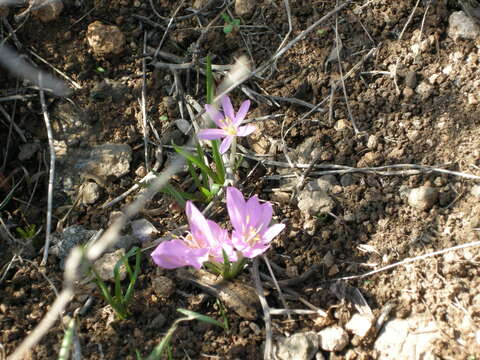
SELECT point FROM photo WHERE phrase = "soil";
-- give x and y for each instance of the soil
(414, 100)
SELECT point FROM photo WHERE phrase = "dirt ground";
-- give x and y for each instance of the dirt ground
(413, 100)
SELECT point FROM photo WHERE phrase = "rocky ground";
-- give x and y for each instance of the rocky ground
(368, 146)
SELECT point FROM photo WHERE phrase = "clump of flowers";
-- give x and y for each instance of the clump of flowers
(208, 244)
(228, 123)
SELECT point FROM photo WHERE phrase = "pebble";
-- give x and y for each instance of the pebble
(47, 10)
(359, 324)
(105, 39)
(411, 79)
(105, 265)
(163, 287)
(299, 346)
(244, 7)
(28, 150)
(372, 142)
(70, 237)
(333, 338)
(424, 89)
(346, 180)
(157, 322)
(90, 193)
(423, 198)
(143, 229)
(106, 160)
(314, 203)
(461, 26)
(324, 183)
(475, 191)
(341, 125)
(280, 196)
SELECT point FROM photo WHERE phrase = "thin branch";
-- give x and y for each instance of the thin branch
(51, 174)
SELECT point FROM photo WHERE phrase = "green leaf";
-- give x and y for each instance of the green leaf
(199, 163)
(192, 315)
(209, 75)
(227, 29)
(218, 160)
(67, 341)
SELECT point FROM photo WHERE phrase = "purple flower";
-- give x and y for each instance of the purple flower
(251, 231)
(204, 242)
(228, 124)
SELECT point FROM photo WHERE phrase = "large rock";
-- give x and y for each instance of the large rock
(461, 26)
(411, 339)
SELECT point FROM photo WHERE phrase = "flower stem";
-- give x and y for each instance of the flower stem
(231, 167)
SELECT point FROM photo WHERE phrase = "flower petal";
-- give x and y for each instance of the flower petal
(175, 253)
(241, 113)
(211, 134)
(216, 116)
(272, 231)
(246, 130)
(236, 208)
(262, 216)
(199, 226)
(225, 145)
(227, 107)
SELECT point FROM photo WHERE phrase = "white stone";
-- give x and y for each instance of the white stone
(314, 203)
(143, 229)
(90, 193)
(423, 197)
(461, 26)
(105, 265)
(475, 191)
(359, 324)
(244, 7)
(403, 339)
(333, 338)
(300, 346)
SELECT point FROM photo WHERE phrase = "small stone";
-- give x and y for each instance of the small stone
(423, 198)
(280, 196)
(411, 79)
(28, 150)
(106, 160)
(300, 346)
(472, 99)
(157, 322)
(424, 89)
(408, 93)
(105, 265)
(4, 11)
(359, 324)
(372, 142)
(163, 287)
(341, 125)
(323, 183)
(314, 203)
(141, 171)
(46, 10)
(334, 270)
(244, 7)
(328, 260)
(310, 226)
(346, 180)
(461, 26)
(333, 338)
(199, 4)
(143, 229)
(292, 271)
(475, 191)
(105, 39)
(90, 193)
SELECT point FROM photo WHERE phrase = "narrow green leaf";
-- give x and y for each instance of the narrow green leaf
(199, 163)
(192, 315)
(209, 81)
(67, 341)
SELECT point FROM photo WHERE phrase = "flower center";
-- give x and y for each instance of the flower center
(193, 242)
(228, 126)
(252, 236)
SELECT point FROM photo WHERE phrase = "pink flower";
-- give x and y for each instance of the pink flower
(204, 242)
(228, 123)
(251, 231)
